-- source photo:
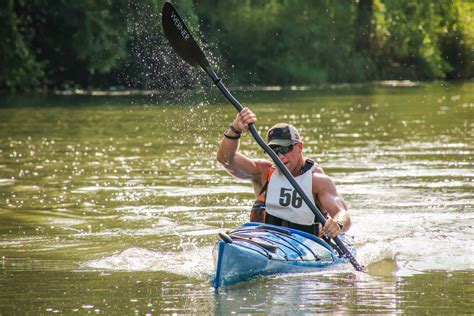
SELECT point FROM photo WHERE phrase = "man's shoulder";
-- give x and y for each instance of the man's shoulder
(320, 176)
(322, 183)
(313, 165)
(321, 180)
(263, 165)
(317, 169)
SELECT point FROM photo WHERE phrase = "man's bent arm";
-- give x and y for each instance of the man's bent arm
(235, 163)
(332, 202)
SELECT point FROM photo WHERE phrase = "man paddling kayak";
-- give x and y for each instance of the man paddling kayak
(186, 47)
(277, 202)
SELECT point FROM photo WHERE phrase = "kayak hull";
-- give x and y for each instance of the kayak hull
(257, 250)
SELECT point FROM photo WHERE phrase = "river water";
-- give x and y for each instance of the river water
(112, 204)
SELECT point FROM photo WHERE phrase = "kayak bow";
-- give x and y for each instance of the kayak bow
(257, 250)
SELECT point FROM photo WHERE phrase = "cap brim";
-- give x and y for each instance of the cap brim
(281, 142)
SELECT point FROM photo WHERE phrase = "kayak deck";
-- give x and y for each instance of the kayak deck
(256, 250)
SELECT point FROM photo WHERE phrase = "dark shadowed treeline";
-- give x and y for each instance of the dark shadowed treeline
(110, 44)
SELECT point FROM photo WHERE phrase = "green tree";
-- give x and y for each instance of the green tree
(107, 43)
(151, 63)
(19, 67)
(79, 41)
(416, 39)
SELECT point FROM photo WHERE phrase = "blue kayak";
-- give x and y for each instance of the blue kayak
(258, 249)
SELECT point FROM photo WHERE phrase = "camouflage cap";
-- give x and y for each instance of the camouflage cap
(283, 134)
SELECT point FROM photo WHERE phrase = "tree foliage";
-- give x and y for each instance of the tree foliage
(19, 67)
(108, 43)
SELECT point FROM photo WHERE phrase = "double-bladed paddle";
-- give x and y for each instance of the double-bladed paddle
(185, 46)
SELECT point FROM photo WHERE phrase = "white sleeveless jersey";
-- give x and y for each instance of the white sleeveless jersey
(284, 202)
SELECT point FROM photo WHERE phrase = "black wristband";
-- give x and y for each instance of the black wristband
(231, 137)
(232, 128)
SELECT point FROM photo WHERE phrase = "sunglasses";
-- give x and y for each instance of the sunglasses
(282, 149)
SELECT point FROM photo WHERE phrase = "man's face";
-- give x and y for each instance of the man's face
(290, 156)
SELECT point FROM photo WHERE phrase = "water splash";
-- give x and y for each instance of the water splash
(192, 262)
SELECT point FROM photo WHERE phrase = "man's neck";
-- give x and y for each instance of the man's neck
(299, 167)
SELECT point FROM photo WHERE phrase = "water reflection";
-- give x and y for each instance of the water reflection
(308, 294)
(109, 293)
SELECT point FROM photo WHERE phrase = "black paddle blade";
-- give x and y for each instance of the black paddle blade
(180, 38)
(354, 262)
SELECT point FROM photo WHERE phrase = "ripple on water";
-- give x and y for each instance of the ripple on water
(7, 182)
(169, 191)
(193, 262)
